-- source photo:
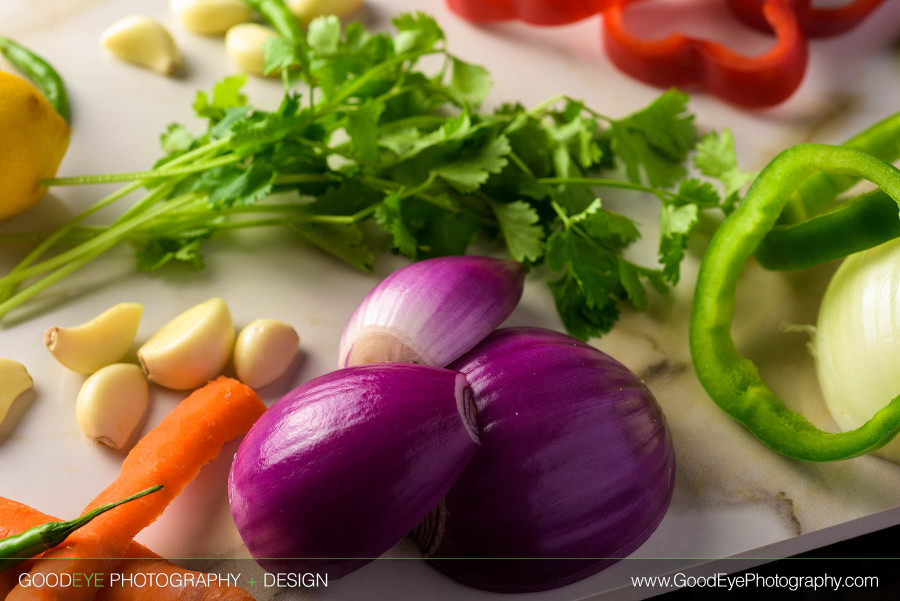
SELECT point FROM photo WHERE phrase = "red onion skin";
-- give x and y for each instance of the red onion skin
(463, 298)
(343, 467)
(576, 461)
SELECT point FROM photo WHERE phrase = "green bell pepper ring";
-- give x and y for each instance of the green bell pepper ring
(817, 191)
(731, 379)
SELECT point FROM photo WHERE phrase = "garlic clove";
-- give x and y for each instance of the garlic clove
(103, 340)
(210, 17)
(14, 381)
(431, 312)
(191, 349)
(263, 351)
(244, 44)
(111, 404)
(307, 10)
(143, 41)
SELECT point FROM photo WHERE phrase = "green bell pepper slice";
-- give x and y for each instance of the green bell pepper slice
(732, 380)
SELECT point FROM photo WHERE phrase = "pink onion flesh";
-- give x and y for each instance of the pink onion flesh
(431, 312)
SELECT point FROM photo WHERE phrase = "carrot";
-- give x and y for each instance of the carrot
(16, 517)
(171, 454)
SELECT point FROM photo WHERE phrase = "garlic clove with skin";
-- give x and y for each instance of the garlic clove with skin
(431, 312)
(111, 404)
(264, 350)
(142, 41)
(210, 17)
(14, 381)
(101, 341)
(244, 45)
(191, 349)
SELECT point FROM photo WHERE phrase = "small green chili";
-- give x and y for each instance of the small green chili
(16, 549)
(40, 72)
(731, 379)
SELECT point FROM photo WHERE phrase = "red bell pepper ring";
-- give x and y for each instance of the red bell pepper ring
(815, 22)
(536, 12)
(679, 60)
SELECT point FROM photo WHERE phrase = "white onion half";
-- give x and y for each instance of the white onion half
(858, 339)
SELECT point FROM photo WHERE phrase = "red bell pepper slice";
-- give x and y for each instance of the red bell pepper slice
(536, 12)
(679, 60)
(815, 22)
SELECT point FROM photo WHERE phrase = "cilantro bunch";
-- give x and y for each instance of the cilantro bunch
(367, 136)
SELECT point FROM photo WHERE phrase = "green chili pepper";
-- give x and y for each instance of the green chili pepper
(819, 190)
(40, 72)
(731, 379)
(18, 548)
(279, 16)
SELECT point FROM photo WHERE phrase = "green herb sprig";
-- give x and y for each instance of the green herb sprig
(365, 135)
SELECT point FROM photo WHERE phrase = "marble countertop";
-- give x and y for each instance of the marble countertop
(736, 502)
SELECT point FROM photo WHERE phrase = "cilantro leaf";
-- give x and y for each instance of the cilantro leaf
(389, 216)
(226, 94)
(346, 242)
(362, 127)
(233, 186)
(521, 229)
(675, 225)
(416, 33)
(469, 83)
(653, 143)
(324, 35)
(176, 138)
(694, 191)
(581, 319)
(716, 158)
(470, 171)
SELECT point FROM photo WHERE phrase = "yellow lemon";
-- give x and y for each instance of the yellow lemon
(33, 140)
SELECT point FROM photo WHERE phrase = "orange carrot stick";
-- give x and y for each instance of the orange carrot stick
(16, 517)
(171, 454)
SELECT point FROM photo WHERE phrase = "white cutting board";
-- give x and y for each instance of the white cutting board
(734, 497)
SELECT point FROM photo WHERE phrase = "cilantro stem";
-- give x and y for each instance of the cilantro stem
(110, 178)
(60, 233)
(305, 178)
(607, 183)
(114, 233)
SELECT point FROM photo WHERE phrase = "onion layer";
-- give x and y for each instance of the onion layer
(857, 342)
(575, 468)
(431, 312)
(343, 467)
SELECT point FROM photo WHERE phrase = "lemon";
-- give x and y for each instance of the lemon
(33, 140)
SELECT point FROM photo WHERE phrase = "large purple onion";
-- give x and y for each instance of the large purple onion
(431, 312)
(343, 467)
(575, 462)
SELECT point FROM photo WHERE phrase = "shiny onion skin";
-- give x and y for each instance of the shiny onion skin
(576, 461)
(431, 312)
(343, 467)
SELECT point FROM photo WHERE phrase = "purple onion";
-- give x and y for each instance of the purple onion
(431, 312)
(343, 467)
(575, 462)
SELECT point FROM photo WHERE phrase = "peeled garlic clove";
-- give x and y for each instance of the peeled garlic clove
(263, 351)
(143, 41)
(307, 10)
(103, 340)
(14, 380)
(244, 44)
(431, 312)
(191, 349)
(111, 404)
(210, 17)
